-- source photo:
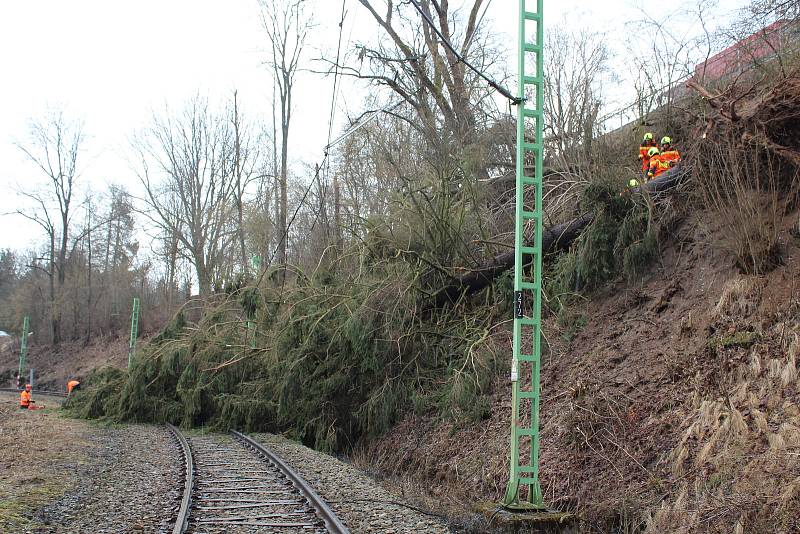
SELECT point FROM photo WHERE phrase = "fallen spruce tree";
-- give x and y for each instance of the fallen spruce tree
(554, 239)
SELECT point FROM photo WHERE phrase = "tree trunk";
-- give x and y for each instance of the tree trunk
(276, 177)
(337, 213)
(239, 192)
(89, 276)
(554, 239)
(203, 280)
(284, 205)
(171, 270)
(55, 321)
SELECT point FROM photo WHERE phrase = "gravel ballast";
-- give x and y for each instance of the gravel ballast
(77, 477)
(359, 501)
(131, 481)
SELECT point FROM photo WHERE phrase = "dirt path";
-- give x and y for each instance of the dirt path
(63, 475)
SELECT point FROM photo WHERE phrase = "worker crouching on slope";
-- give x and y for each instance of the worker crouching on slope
(647, 143)
(25, 398)
(669, 153)
(657, 164)
(73, 385)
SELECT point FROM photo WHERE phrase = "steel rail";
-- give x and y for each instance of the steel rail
(328, 517)
(182, 521)
(37, 392)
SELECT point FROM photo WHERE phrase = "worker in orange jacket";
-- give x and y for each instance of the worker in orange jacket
(25, 398)
(72, 385)
(647, 143)
(657, 164)
(669, 153)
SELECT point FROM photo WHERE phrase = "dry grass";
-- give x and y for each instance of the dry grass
(740, 188)
(740, 298)
(35, 447)
(737, 461)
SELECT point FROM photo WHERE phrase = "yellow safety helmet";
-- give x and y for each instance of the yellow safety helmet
(666, 140)
(633, 182)
(648, 137)
(653, 152)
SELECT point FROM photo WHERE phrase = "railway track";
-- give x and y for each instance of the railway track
(234, 484)
(36, 392)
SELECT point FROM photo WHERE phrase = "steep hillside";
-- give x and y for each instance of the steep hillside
(55, 365)
(675, 408)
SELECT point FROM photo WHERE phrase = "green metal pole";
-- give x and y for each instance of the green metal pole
(524, 473)
(23, 346)
(134, 330)
(251, 333)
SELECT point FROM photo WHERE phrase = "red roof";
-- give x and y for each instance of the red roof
(742, 53)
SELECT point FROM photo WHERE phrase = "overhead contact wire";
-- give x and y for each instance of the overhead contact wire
(446, 42)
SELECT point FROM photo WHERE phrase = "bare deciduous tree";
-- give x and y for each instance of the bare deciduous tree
(286, 24)
(246, 162)
(576, 64)
(447, 97)
(667, 54)
(54, 145)
(186, 171)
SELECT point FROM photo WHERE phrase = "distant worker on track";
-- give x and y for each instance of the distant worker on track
(647, 143)
(73, 385)
(669, 153)
(25, 398)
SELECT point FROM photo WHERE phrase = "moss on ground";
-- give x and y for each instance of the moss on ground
(737, 339)
(17, 513)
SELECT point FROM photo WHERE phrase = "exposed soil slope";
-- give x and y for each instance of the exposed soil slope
(55, 365)
(665, 412)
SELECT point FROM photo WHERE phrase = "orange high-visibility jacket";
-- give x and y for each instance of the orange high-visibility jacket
(643, 150)
(24, 399)
(657, 166)
(71, 385)
(671, 156)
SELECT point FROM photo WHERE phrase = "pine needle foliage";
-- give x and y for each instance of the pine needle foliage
(338, 359)
(100, 398)
(620, 241)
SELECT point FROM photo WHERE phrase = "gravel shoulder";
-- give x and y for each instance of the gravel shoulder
(60, 475)
(359, 501)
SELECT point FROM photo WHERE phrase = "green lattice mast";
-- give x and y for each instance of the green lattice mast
(134, 330)
(23, 347)
(524, 472)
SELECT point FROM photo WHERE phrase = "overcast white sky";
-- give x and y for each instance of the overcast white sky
(112, 63)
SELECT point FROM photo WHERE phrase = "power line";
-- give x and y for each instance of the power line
(357, 126)
(496, 86)
(335, 78)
